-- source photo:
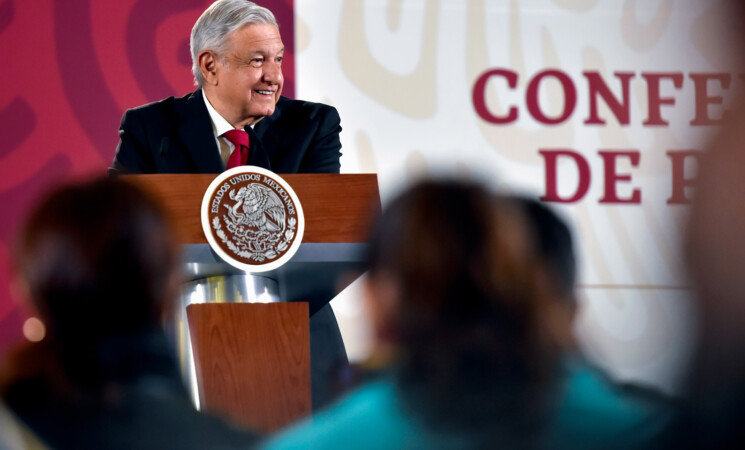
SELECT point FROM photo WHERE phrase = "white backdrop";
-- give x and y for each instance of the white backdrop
(402, 75)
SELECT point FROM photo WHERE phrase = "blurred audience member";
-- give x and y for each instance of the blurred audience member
(714, 408)
(714, 411)
(462, 307)
(593, 411)
(99, 265)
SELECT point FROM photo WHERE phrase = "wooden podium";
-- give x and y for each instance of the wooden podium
(252, 360)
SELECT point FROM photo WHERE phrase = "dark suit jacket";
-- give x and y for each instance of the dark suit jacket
(175, 136)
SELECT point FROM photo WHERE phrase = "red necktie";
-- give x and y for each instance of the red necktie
(239, 157)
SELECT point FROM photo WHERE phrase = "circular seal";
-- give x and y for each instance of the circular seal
(252, 218)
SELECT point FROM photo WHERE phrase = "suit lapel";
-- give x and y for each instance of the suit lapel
(269, 142)
(257, 156)
(195, 133)
(265, 123)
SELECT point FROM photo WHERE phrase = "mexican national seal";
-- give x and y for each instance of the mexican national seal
(252, 218)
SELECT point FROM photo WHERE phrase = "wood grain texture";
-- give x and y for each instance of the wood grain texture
(337, 207)
(252, 361)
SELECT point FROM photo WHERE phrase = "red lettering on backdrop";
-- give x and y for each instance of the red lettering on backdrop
(703, 99)
(597, 86)
(612, 177)
(552, 188)
(620, 106)
(570, 97)
(654, 101)
(479, 96)
(680, 182)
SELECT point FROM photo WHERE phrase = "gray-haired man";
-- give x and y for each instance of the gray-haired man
(237, 53)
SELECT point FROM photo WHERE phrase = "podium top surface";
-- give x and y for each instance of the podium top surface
(338, 207)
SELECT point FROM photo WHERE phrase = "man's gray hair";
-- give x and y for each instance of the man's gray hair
(212, 29)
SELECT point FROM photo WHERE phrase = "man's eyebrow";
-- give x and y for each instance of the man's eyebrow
(264, 53)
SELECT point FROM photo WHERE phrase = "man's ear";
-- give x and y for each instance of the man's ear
(207, 60)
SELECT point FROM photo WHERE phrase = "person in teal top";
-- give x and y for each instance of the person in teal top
(465, 319)
(511, 404)
(593, 412)
(370, 418)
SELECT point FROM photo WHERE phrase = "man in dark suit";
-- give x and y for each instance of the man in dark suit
(237, 55)
(240, 83)
(175, 135)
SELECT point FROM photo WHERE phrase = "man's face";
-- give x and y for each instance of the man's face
(249, 75)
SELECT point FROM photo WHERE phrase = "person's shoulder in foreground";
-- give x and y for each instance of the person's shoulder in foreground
(371, 417)
(596, 413)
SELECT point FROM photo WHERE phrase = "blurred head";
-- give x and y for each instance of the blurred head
(715, 255)
(454, 285)
(716, 261)
(237, 56)
(552, 242)
(98, 260)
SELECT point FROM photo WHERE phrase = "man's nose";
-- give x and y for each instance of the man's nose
(273, 72)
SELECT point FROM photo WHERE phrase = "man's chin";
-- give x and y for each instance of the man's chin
(263, 113)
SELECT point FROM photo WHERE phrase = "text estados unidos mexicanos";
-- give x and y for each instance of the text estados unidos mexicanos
(215, 206)
(282, 193)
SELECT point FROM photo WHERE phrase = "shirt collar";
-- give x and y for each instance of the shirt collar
(219, 125)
